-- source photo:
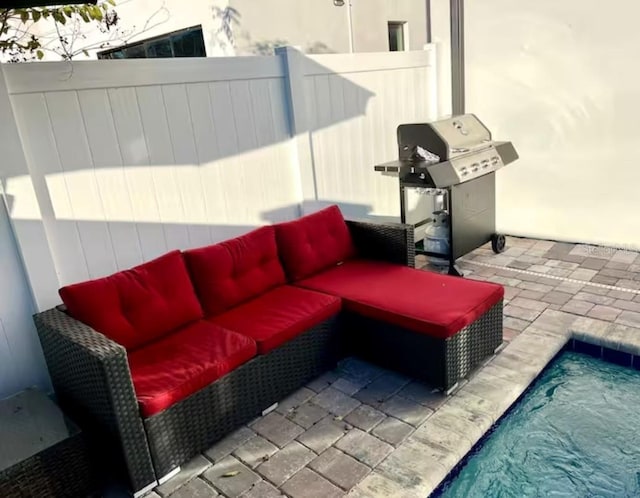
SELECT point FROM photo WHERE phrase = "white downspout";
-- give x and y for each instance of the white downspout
(350, 19)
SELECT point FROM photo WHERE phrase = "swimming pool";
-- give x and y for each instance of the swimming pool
(575, 433)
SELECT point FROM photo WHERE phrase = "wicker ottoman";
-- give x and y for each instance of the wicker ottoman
(433, 327)
(42, 452)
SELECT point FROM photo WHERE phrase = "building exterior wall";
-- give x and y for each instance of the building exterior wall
(316, 26)
(320, 26)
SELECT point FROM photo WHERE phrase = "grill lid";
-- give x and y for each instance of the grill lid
(463, 144)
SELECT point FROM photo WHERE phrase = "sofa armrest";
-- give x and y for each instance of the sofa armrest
(392, 242)
(92, 381)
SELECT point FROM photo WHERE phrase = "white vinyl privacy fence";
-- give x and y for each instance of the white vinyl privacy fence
(111, 163)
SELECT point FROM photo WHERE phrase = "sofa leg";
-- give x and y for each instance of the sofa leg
(452, 389)
(269, 409)
(168, 476)
(145, 490)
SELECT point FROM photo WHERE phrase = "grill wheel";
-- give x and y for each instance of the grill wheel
(498, 243)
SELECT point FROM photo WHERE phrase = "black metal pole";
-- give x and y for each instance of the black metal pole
(457, 56)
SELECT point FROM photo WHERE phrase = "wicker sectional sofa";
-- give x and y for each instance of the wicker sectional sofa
(159, 362)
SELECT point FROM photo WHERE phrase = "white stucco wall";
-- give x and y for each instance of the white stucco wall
(560, 79)
(320, 26)
(316, 26)
(370, 19)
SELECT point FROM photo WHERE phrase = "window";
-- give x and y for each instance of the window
(184, 43)
(396, 36)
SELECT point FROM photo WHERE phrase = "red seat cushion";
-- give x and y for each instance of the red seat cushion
(314, 242)
(235, 270)
(279, 315)
(136, 306)
(430, 303)
(176, 366)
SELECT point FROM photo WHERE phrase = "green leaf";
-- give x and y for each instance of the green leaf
(24, 15)
(39, 54)
(84, 16)
(112, 2)
(231, 474)
(36, 15)
(46, 13)
(85, 53)
(96, 13)
(68, 11)
(58, 16)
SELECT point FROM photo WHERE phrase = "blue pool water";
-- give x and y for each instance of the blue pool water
(576, 433)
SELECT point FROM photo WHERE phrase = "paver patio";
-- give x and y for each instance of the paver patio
(363, 431)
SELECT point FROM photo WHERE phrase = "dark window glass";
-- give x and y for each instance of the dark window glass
(159, 49)
(190, 44)
(396, 36)
(184, 43)
(133, 52)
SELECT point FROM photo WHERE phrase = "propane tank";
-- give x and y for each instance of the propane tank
(437, 238)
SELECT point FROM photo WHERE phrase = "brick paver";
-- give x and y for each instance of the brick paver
(577, 307)
(604, 312)
(323, 434)
(262, 489)
(335, 401)
(196, 488)
(406, 410)
(392, 430)
(298, 398)
(231, 477)
(340, 468)
(277, 429)
(285, 463)
(513, 311)
(188, 471)
(365, 417)
(226, 446)
(309, 484)
(381, 389)
(255, 451)
(364, 447)
(307, 415)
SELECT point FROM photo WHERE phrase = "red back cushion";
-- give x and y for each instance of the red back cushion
(136, 306)
(235, 270)
(314, 242)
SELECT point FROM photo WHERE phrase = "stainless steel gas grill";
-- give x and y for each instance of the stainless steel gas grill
(453, 160)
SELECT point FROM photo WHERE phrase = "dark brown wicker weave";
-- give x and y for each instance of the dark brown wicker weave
(439, 362)
(59, 471)
(392, 242)
(92, 379)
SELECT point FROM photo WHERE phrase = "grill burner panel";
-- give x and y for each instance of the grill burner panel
(463, 144)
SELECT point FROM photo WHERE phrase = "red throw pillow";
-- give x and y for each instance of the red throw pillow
(314, 242)
(136, 306)
(236, 270)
